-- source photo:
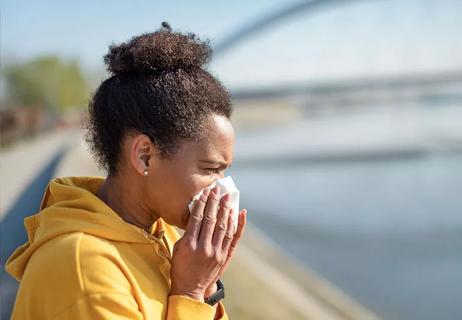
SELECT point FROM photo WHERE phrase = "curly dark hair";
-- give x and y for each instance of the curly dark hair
(158, 87)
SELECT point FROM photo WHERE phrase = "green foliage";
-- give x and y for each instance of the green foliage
(47, 82)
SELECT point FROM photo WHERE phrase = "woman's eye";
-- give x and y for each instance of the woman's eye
(214, 170)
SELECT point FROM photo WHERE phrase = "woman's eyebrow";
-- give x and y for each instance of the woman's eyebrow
(221, 164)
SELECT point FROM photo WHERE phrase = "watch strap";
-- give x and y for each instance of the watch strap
(218, 295)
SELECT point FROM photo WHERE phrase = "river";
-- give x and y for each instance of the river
(387, 232)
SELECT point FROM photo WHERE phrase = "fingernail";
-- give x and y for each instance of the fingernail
(206, 192)
(216, 191)
(226, 202)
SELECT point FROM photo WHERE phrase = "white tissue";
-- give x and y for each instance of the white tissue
(226, 185)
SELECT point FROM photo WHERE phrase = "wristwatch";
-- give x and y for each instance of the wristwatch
(217, 296)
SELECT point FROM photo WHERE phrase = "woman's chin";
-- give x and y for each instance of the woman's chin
(183, 223)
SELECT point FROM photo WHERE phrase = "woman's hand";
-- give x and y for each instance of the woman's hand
(240, 230)
(202, 254)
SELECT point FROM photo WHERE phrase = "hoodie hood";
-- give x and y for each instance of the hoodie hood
(70, 204)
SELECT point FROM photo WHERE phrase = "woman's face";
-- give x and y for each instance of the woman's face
(173, 182)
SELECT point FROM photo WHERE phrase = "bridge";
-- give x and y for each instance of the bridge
(401, 88)
(404, 87)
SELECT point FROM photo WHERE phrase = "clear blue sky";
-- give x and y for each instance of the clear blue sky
(366, 38)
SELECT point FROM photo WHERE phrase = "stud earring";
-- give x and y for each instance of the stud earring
(145, 172)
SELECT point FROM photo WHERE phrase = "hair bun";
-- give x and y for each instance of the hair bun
(157, 51)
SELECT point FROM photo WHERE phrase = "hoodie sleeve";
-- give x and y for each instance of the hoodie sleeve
(186, 308)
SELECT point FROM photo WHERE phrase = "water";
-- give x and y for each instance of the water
(389, 233)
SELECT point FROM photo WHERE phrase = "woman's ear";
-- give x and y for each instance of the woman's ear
(142, 153)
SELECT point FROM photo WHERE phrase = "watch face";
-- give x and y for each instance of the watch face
(217, 296)
(220, 284)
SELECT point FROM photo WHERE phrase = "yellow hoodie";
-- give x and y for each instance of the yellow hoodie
(83, 261)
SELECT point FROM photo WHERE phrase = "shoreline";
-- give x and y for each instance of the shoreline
(294, 283)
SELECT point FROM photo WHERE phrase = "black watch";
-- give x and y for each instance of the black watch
(217, 296)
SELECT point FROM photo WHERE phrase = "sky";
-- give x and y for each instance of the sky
(368, 38)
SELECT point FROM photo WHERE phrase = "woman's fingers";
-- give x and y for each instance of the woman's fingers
(210, 218)
(233, 241)
(196, 216)
(230, 241)
(222, 222)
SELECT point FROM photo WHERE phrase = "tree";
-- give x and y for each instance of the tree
(47, 82)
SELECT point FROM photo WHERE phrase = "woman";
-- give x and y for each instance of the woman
(107, 248)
